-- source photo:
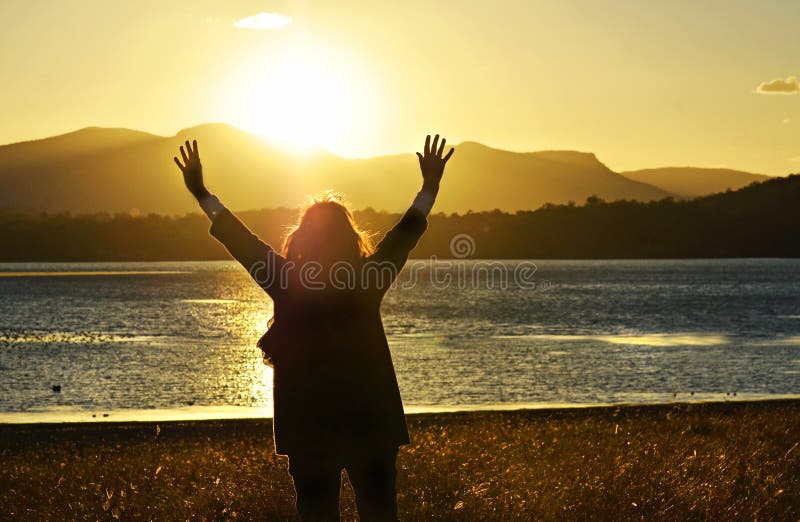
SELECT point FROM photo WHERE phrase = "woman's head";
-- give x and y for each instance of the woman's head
(326, 233)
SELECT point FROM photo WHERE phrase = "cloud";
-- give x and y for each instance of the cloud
(779, 86)
(264, 21)
(796, 159)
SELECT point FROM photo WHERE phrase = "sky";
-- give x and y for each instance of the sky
(641, 84)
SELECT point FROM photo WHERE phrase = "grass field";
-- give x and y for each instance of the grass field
(717, 461)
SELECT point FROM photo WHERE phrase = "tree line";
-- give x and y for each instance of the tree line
(757, 221)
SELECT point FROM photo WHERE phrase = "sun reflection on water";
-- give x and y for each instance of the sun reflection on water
(654, 339)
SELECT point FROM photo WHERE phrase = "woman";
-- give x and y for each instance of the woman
(337, 404)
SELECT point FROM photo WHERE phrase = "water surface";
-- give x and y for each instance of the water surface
(177, 339)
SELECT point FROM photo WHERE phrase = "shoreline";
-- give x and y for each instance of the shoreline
(554, 412)
(67, 416)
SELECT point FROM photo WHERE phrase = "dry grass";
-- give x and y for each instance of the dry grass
(675, 462)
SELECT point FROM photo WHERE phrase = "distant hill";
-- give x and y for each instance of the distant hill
(488, 178)
(694, 182)
(117, 170)
(760, 220)
(757, 221)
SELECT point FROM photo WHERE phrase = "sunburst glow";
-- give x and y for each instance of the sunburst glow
(303, 101)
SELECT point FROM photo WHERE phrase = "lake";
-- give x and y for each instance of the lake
(177, 339)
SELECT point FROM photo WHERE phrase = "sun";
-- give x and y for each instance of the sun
(299, 103)
(303, 102)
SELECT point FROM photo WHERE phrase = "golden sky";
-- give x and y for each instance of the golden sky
(640, 83)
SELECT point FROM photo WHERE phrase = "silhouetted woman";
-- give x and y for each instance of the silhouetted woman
(337, 404)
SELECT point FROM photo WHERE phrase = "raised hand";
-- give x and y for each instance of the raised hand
(192, 169)
(432, 163)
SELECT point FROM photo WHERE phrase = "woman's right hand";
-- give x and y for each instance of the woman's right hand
(192, 170)
(432, 163)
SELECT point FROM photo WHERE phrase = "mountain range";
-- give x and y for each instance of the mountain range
(121, 170)
(695, 182)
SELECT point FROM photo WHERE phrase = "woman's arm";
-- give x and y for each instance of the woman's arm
(260, 260)
(403, 237)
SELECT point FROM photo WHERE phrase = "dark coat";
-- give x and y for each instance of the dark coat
(334, 383)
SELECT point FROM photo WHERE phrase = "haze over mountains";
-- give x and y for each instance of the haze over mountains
(119, 170)
(693, 181)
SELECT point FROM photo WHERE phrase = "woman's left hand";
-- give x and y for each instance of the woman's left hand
(432, 163)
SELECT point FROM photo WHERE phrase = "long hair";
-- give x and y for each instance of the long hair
(326, 233)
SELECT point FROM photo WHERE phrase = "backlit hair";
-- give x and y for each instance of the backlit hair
(326, 232)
